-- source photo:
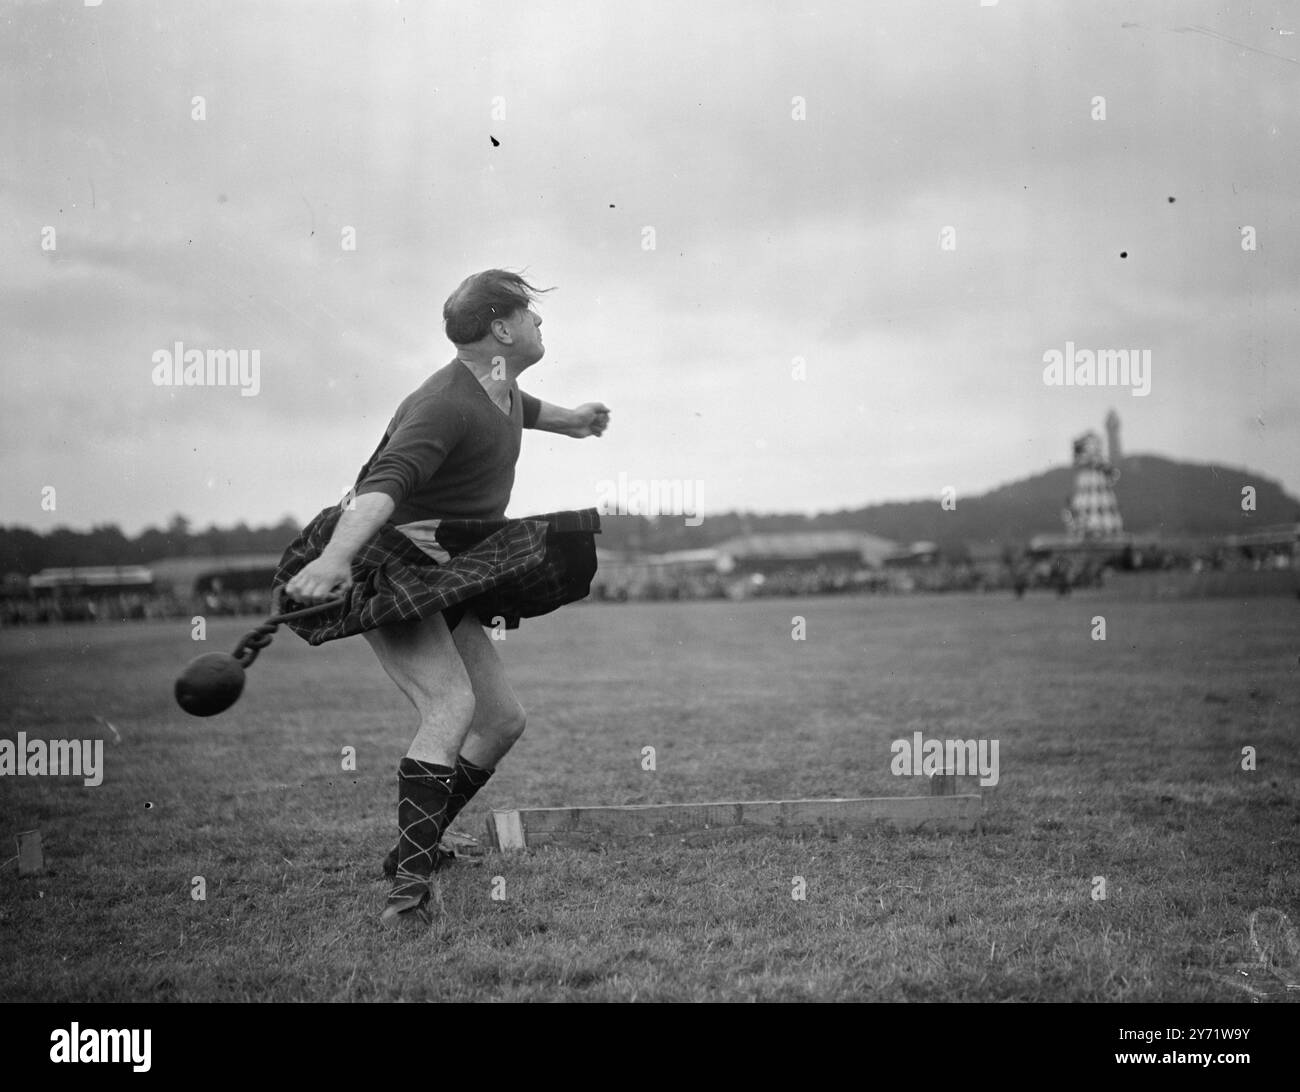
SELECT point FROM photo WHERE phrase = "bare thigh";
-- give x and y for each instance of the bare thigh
(424, 662)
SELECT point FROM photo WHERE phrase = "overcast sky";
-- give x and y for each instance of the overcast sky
(775, 238)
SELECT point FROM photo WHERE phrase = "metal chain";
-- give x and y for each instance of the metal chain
(255, 640)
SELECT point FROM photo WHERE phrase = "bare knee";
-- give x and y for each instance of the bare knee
(451, 706)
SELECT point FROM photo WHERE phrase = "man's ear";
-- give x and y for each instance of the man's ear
(501, 331)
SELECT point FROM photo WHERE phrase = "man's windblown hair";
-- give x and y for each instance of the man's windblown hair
(492, 294)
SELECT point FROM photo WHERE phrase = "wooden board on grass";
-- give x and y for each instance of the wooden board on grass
(521, 828)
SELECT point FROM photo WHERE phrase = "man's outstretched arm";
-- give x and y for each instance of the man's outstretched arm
(411, 453)
(589, 419)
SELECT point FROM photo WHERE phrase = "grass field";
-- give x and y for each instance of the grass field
(1119, 759)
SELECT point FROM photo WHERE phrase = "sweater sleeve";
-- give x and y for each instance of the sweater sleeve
(532, 407)
(420, 438)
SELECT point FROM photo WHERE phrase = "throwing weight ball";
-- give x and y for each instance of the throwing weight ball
(210, 684)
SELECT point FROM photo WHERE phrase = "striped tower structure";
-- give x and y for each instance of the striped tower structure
(1093, 511)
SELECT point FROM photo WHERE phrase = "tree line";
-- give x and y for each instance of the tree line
(25, 551)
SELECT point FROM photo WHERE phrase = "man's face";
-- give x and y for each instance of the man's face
(526, 336)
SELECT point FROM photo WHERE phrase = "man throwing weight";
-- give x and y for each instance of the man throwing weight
(422, 541)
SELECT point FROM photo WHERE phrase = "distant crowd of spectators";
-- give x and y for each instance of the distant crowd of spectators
(819, 580)
(89, 606)
(1061, 574)
(1019, 575)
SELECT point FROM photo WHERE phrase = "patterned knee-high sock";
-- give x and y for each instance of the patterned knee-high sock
(468, 779)
(423, 792)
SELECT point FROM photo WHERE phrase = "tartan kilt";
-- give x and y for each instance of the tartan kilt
(499, 569)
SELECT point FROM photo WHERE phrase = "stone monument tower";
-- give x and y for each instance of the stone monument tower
(1113, 453)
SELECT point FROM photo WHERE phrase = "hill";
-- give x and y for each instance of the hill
(1156, 495)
